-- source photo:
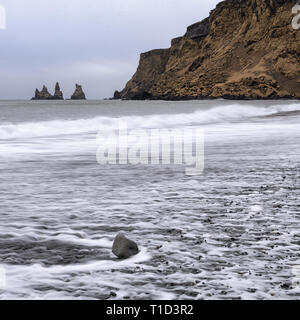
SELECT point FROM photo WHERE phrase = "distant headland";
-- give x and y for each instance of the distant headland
(244, 50)
(58, 94)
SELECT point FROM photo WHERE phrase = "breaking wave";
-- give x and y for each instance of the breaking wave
(221, 114)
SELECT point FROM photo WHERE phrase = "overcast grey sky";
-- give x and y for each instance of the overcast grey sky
(92, 42)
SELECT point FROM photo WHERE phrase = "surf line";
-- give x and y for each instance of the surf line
(130, 311)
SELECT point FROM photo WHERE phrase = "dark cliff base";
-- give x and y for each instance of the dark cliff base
(147, 96)
(245, 50)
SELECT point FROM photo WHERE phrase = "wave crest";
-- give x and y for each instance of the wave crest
(221, 114)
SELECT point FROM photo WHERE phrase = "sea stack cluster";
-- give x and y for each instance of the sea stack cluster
(58, 94)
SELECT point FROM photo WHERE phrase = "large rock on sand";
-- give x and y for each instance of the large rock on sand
(124, 248)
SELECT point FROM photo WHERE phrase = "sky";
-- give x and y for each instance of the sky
(95, 43)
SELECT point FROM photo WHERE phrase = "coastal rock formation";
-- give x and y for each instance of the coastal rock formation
(42, 95)
(58, 95)
(124, 248)
(243, 50)
(117, 95)
(45, 95)
(78, 94)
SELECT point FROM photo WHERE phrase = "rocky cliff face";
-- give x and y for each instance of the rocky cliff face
(78, 94)
(246, 49)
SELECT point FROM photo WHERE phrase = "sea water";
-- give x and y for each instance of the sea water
(230, 233)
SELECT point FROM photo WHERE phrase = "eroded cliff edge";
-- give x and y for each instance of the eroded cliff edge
(246, 49)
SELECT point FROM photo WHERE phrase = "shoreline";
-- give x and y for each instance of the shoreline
(229, 233)
(175, 99)
(187, 98)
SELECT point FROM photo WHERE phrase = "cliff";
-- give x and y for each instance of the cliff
(245, 49)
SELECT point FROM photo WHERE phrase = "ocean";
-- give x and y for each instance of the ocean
(230, 233)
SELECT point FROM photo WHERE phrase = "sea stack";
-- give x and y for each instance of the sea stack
(42, 95)
(245, 50)
(45, 95)
(78, 94)
(58, 95)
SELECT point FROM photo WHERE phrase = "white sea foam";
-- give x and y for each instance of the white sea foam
(256, 208)
(84, 274)
(72, 127)
(231, 233)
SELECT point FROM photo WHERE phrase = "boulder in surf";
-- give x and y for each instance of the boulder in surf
(124, 248)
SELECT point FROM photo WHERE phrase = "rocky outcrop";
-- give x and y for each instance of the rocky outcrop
(78, 94)
(245, 49)
(45, 95)
(198, 30)
(42, 95)
(124, 248)
(58, 95)
(37, 95)
(117, 95)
